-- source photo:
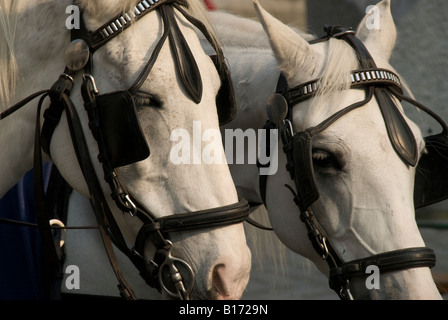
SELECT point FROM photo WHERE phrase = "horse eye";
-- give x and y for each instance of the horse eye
(325, 162)
(144, 99)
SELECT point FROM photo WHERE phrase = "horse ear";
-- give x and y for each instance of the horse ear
(377, 30)
(291, 50)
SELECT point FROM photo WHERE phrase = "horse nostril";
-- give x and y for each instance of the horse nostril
(229, 276)
(219, 283)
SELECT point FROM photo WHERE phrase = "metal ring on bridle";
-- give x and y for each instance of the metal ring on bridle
(59, 223)
(175, 277)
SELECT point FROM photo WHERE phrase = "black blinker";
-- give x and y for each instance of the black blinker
(400, 135)
(117, 129)
(431, 176)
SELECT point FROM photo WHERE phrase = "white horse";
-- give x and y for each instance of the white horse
(366, 191)
(33, 37)
(364, 220)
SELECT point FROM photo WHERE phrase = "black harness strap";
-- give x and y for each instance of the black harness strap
(21, 103)
(50, 257)
(396, 260)
(400, 134)
(106, 222)
(183, 57)
(233, 213)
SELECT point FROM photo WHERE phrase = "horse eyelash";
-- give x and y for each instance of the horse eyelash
(144, 99)
(325, 159)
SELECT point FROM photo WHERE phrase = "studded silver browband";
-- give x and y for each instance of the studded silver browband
(120, 22)
(359, 78)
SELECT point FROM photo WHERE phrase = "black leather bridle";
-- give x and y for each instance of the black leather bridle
(378, 83)
(164, 272)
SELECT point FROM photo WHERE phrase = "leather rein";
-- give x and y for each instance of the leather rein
(163, 272)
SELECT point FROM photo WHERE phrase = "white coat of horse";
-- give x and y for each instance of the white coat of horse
(33, 37)
(366, 208)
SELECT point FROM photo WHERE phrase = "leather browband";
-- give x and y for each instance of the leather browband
(121, 22)
(359, 79)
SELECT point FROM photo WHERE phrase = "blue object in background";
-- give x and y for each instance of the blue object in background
(20, 267)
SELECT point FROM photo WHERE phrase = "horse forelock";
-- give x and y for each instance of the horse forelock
(339, 61)
(9, 16)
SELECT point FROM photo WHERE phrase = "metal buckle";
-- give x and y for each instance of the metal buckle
(340, 34)
(131, 205)
(136, 253)
(345, 293)
(288, 124)
(323, 246)
(92, 80)
(61, 226)
(329, 30)
(69, 77)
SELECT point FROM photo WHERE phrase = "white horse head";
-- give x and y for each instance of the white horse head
(36, 36)
(366, 190)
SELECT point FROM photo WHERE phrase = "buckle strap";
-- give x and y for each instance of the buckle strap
(53, 113)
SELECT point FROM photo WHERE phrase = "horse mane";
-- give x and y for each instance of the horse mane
(9, 17)
(340, 59)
